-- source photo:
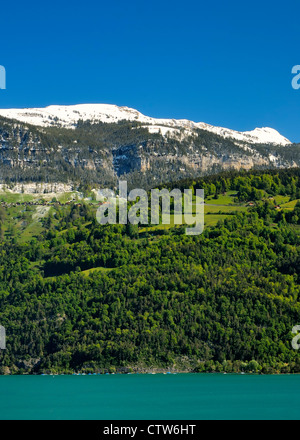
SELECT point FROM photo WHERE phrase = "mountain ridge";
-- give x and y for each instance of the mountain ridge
(142, 151)
(68, 116)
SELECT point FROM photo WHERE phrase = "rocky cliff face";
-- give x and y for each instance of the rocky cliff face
(104, 152)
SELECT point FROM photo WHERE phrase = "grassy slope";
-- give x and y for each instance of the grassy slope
(28, 224)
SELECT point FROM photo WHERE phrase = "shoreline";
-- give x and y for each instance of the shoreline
(154, 374)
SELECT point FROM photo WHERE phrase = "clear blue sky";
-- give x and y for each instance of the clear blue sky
(227, 63)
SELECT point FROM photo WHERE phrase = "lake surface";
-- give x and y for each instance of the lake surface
(150, 397)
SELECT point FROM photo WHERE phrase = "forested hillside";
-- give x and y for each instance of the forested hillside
(78, 296)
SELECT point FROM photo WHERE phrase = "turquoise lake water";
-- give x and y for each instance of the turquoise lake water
(150, 397)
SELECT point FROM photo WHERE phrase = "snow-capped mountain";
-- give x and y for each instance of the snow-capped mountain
(128, 145)
(68, 117)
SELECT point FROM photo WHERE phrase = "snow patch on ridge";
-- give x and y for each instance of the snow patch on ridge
(68, 117)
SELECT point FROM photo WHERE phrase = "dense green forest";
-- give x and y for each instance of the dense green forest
(79, 296)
